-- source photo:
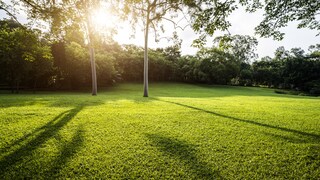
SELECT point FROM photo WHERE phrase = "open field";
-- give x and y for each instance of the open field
(180, 132)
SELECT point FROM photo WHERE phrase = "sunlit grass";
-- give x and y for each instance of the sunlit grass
(180, 132)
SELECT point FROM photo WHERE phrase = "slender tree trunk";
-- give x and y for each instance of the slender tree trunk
(92, 60)
(145, 67)
(93, 70)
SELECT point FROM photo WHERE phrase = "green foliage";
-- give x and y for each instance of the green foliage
(267, 72)
(25, 57)
(241, 47)
(211, 65)
(78, 64)
(72, 62)
(279, 13)
(182, 132)
(130, 63)
(162, 67)
(27, 61)
(217, 66)
(106, 72)
(207, 19)
(294, 70)
(246, 75)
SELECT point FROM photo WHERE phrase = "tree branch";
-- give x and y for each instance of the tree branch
(155, 31)
(10, 14)
(175, 24)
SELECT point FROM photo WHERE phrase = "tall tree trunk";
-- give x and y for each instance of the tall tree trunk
(93, 70)
(145, 67)
(92, 59)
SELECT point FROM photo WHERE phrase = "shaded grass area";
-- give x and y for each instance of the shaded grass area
(186, 153)
(181, 132)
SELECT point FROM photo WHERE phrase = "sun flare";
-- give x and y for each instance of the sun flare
(104, 22)
(102, 19)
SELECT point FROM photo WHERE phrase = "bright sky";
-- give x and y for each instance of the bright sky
(242, 23)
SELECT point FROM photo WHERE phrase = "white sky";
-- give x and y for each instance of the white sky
(242, 23)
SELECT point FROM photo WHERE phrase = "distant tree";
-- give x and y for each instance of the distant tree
(281, 53)
(301, 71)
(77, 64)
(130, 63)
(290, 69)
(188, 68)
(173, 52)
(23, 52)
(261, 71)
(42, 66)
(171, 55)
(243, 47)
(314, 50)
(217, 66)
(245, 76)
(106, 68)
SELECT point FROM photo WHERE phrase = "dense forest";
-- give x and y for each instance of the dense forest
(31, 60)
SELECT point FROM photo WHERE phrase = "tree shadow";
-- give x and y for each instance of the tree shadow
(67, 151)
(14, 103)
(290, 139)
(54, 99)
(29, 135)
(186, 153)
(41, 136)
(310, 137)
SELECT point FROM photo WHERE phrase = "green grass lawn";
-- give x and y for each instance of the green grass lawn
(180, 132)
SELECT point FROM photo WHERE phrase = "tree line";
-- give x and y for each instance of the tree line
(30, 60)
(204, 17)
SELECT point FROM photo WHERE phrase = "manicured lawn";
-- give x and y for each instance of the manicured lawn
(180, 132)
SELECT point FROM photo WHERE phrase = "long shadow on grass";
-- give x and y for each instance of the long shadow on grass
(41, 134)
(186, 153)
(67, 151)
(310, 136)
(37, 130)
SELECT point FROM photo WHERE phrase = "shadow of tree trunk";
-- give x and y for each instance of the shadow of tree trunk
(16, 158)
(185, 153)
(310, 137)
(34, 132)
(66, 153)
